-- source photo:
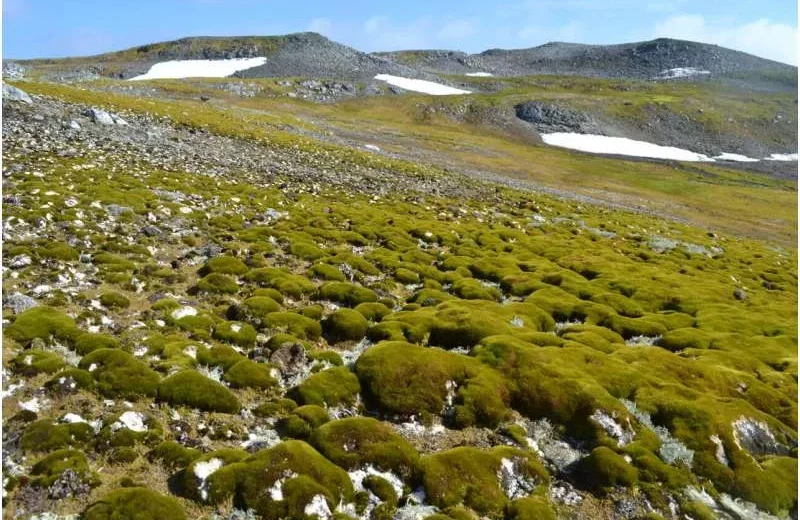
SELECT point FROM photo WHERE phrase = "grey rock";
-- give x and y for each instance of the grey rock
(11, 93)
(98, 116)
(20, 261)
(74, 125)
(290, 358)
(68, 485)
(13, 70)
(740, 294)
(151, 231)
(549, 118)
(757, 438)
(116, 210)
(18, 302)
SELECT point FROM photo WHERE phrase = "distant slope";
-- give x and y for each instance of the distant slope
(641, 60)
(301, 54)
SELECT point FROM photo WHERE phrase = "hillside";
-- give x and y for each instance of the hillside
(657, 59)
(301, 292)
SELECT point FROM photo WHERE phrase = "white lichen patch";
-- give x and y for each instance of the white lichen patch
(623, 434)
(722, 458)
(318, 507)
(133, 421)
(513, 482)
(182, 312)
(203, 470)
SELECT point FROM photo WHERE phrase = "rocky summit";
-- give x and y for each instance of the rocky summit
(295, 290)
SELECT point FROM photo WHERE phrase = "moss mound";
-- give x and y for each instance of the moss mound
(469, 476)
(603, 469)
(295, 324)
(241, 334)
(35, 361)
(119, 374)
(134, 503)
(332, 387)
(217, 283)
(192, 389)
(115, 300)
(405, 379)
(248, 374)
(42, 322)
(48, 469)
(224, 265)
(356, 441)
(346, 293)
(345, 325)
(43, 435)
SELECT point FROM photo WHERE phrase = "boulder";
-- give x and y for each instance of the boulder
(11, 93)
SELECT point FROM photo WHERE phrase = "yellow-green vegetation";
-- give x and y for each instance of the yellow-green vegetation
(192, 389)
(469, 476)
(351, 443)
(642, 340)
(134, 503)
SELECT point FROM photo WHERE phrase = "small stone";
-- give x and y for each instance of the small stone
(11, 93)
(740, 294)
(18, 302)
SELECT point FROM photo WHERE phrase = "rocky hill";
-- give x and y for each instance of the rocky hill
(657, 59)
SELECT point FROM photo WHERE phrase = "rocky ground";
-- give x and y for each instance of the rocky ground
(209, 327)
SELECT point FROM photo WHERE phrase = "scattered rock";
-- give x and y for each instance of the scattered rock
(11, 93)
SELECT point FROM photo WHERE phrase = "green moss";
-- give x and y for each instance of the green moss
(531, 508)
(295, 324)
(682, 339)
(345, 325)
(347, 293)
(241, 334)
(119, 374)
(58, 251)
(400, 378)
(326, 356)
(382, 488)
(248, 374)
(115, 300)
(47, 470)
(267, 466)
(356, 441)
(630, 327)
(44, 436)
(174, 455)
(219, 355)
(224, 265)
(35, 361)
(332, 387)
(469, 476)
(306, 251)
(269, 293)
(373, 311)
(253, 310)
(312, 311)
(603, 469)
(302, 421)
(82, 378)
(698, 511)
(134, 503)
(217, 283)
(326, 272)
(42, 322)
(192, 389)
(279, 408)
(406, 276)
(88, 342)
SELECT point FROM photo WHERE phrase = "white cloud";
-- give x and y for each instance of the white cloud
(764, 38)
(320, 25)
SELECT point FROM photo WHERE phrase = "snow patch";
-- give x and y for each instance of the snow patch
(682, 72)
(199, 68)
(479, 74)
(722, 458)
(419, 85)
(603, 144)
(32, 405)
(782, 157)
(725, 156)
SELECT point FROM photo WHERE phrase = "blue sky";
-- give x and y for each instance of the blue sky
(49, 28)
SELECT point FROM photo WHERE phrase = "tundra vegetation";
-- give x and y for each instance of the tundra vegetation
(310, 351)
